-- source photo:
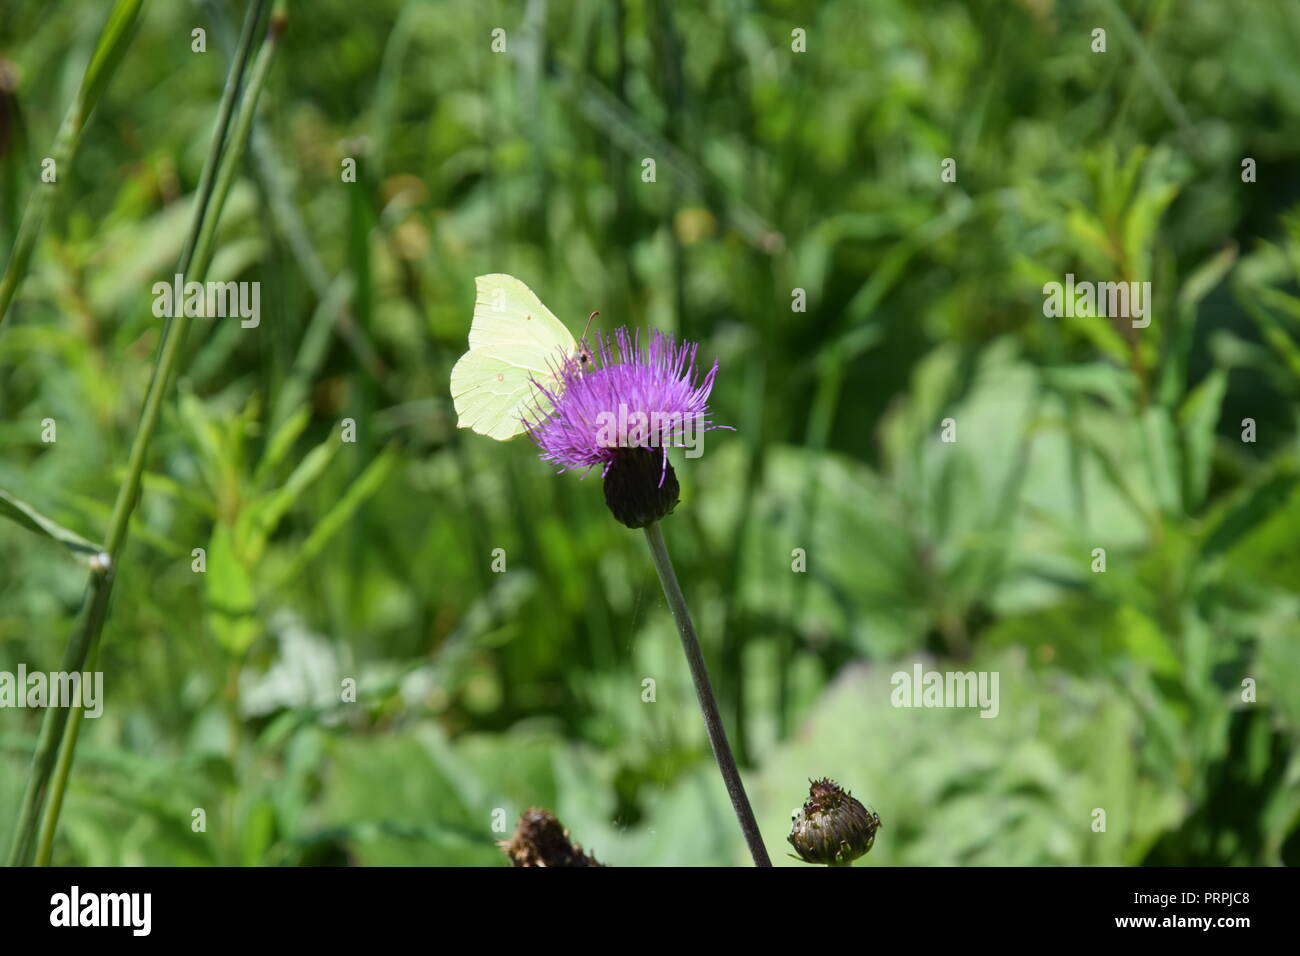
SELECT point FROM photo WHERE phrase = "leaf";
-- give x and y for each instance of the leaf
(162, 484)
(1097, 380)
(112, 44)
(1245, 515)
(257, 832)
(1140, 226)
(1160, 446)
(212, 457)
(1145, 642)
(281, 444)
(229, 590)
(425, 821)
(24, 514)
(259, 522)
(366, 484)
(1271, 330)
(1197, 420)
(1205, 277)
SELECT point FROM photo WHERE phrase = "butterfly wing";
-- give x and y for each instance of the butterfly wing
(506, 312)
(513, 339)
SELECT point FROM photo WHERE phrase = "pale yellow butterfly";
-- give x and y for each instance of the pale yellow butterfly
(513, 340)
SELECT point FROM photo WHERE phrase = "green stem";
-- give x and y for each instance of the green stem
(704, 691)
(113, 41)
(51, 820)
(56, 718)
(85, 640)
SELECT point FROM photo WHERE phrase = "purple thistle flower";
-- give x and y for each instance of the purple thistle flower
(634, 396)
(623, 411)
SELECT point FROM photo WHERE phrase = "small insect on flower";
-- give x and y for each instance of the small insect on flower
(832, 828)
(623, 411)
(586, 359)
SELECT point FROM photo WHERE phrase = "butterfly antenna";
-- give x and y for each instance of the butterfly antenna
(588, 328)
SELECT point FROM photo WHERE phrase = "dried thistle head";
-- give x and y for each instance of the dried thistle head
(540, 840)
(832, 828)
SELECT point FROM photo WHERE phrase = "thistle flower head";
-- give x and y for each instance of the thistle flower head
(623, 411)
(832, 828)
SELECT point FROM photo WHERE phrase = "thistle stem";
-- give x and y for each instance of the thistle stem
(704, 691)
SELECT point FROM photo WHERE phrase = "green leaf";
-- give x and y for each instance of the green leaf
(112, 44)
(1160, 446)
(1246, 514)
(257, 832)
(1205, 277)
(24, 514)
(281, 443)
(366, 484)
(1197, 420)
(212, 456)
(1145, 642)
(229, 590)
(259, 522)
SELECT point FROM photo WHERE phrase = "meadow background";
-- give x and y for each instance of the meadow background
(776, 171)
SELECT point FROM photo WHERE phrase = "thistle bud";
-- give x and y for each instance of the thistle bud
(540, 840)
(640, 486)
(832, 828)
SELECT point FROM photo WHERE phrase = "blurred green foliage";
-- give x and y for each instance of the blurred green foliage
(776, 171)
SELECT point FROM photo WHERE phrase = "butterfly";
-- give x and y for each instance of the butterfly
(513, 340)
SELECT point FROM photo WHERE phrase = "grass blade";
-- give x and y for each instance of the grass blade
(24, 514)
(113, 41)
